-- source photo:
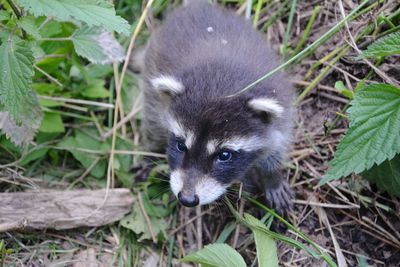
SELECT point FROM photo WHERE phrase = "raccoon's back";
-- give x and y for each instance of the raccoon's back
(199, 33)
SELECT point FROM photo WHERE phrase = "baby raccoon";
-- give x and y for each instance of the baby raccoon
(192, 65)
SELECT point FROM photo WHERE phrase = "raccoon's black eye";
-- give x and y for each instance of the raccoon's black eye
(181, 146)
(224, 156)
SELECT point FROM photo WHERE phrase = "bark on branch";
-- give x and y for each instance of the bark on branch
(62, 209)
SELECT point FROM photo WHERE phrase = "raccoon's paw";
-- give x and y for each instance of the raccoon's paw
(280, 198)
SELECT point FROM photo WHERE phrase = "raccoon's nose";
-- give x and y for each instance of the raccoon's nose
(190, 200)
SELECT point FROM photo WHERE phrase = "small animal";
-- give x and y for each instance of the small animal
(192, 69)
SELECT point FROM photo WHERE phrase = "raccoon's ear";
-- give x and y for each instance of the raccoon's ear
(167, 85)
(266, 106)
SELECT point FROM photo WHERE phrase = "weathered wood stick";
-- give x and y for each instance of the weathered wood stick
(62, 209)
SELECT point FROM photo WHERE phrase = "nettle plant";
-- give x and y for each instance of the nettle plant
(35, 37)
(371, 146)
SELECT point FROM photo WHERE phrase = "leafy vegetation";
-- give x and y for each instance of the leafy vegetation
(29, 42)
(373, 138)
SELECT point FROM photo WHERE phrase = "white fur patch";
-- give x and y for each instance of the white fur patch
(250, 143)
(211, 146)
(267, 105)
(179, 131)
(175, 126)
(189, 139)
(176, 181)
(167, 83)
(208, 190)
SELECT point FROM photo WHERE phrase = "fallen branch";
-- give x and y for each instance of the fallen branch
(62, 209)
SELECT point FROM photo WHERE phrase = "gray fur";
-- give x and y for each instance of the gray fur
(214, 54)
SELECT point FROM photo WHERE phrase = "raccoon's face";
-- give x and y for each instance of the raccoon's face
(213, 141)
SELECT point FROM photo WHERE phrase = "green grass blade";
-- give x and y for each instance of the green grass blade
(289, 28)
(311, 47)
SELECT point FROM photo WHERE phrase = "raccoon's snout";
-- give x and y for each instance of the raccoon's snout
(205, 189)
(188, 200)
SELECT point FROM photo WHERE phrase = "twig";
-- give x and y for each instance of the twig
(190, 221)
(130, 115)
(51, 78)
(146, 217)
(14, 8)
(237, 230)
(326, 205)
(199, 228)
(77, 101)
(110, 169)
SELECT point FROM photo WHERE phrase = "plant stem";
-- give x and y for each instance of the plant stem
(257, 13)
(277, 15)
(289, 28)
(14, 8)
(320, 76)
(306, 31)
(58, 39)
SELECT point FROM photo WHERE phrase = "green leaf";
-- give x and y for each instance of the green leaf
(216, 255)
(46, 88)
(16, 71)
(82, 141)
(51, 28)
(92, 12)
(374, 132)
(267, 254)
(138, 224)
(386, 176)
(20, 105)
(4, 15)
(19, 133)
(96, 89)
(97, 45)
(52, 123)
(343, 90)
(29, 26)
(385, 46)
(33, 155)
(224, 235)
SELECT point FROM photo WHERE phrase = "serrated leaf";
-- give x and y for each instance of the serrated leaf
(385, 46)
(23, 113)
(29, 26)
(52, 123)
(97, 45)
(267, 254)
(216, 255)
(92, 12)
(51, 28)
(386, 176)
(20, 134)
(374, 132)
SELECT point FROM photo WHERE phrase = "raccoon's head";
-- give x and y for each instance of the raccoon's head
(213, 140)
